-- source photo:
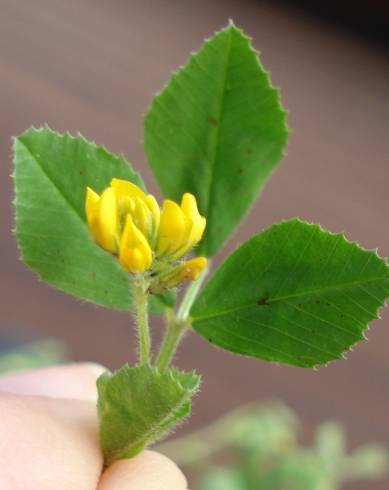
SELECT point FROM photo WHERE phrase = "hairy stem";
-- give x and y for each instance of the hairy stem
(190, 295)
(141, 298)
(178, 325)
(175, 330)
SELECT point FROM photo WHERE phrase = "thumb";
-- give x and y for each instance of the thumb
(147, 471)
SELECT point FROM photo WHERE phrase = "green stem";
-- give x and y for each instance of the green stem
(190, 295)
(141, 297)
(175, 330)
(179, 324)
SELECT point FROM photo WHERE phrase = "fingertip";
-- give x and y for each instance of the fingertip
(77, 381)
(94, 368)
(48, 443)
(149, 471)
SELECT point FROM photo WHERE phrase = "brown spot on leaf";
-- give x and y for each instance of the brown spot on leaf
(263, 301)
(213, 121)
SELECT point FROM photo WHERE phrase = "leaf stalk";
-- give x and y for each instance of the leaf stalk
(178, 324)
(191, 294)
(175, 331)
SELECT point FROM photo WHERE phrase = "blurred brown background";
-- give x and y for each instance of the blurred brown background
(92, 66)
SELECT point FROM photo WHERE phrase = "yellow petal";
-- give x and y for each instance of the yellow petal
(147, 222)
(91, 203)
(191, 269)
(102, 217)
(142, 217)
(135, 253)
(134, 261)
(126, 188)
(189, 207)
(126, 204)
(92, 206)
(152, 204)
(174, 228)
(108, 219)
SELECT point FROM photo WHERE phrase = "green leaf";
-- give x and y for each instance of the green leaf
(52, 172)
(159, 303)
(139, 405)
(293, 294)
(217, 130)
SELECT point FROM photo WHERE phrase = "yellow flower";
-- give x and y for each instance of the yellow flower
(181, 227)
(189, 207)
(143, 208)
(102, 216)
(188, 270)
(135, 253)
(191, 269)
(128, 222)
(174, 229)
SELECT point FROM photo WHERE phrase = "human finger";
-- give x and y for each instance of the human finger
(48, 443)
(77, 381)
(147, 471)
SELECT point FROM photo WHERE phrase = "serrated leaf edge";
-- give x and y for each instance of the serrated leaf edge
(17, 140)
(149, 436)
(374, 251)
(276, 89)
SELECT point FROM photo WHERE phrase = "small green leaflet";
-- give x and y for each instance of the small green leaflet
(293, 294)
(217, 130)
(52, 172)
(139, 405)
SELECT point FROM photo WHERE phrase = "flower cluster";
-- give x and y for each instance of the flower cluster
(129, 223)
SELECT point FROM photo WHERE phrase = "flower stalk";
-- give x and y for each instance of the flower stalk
(141, 297)
(150, 243)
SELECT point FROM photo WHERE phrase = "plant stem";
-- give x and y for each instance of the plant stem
(175, 330)
(141, 297)
(190, 295)
(179, 324)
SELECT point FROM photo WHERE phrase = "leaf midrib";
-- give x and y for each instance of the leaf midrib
(215, 142)
(288, 296)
